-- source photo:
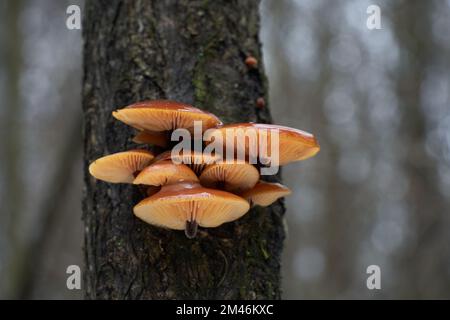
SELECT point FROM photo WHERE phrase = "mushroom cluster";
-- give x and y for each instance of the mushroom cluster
(198, 189)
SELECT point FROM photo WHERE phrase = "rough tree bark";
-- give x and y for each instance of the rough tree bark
(192, 51)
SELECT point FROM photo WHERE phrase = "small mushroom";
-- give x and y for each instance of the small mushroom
(164, 115)
(294, 144)
(160, 139)
(187, 205)
(165, 172)
(265, 193)
(232, 177)
(260, 103)
(251, 62)
(120, 167)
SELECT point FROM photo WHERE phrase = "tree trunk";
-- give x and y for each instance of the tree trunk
(194, 52)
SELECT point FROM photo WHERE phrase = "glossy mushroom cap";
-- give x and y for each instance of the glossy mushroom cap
(232, 177)
(294, 144)
(183, 205)
(165, 172)
(160, 139)
(266, 193)
(120, 167)
(164, 115)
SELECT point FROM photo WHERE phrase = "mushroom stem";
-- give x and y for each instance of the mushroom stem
(191, 229)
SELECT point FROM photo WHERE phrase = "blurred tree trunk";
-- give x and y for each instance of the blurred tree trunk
(413, 30)
(192, 51)
(11, 129)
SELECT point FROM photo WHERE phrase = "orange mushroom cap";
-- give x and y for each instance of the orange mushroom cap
(233, 177)
(294, 144)
(164, 115)
(120, 167)
(179, 206)
(165, 172)
(266, 193)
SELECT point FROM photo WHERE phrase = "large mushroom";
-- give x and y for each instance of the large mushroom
(265, 193)
(121, 167)
(188, 205)
(164, 115)
(232, 177)
(294, 144)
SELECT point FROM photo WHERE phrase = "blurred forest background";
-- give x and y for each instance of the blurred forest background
(378, 101)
